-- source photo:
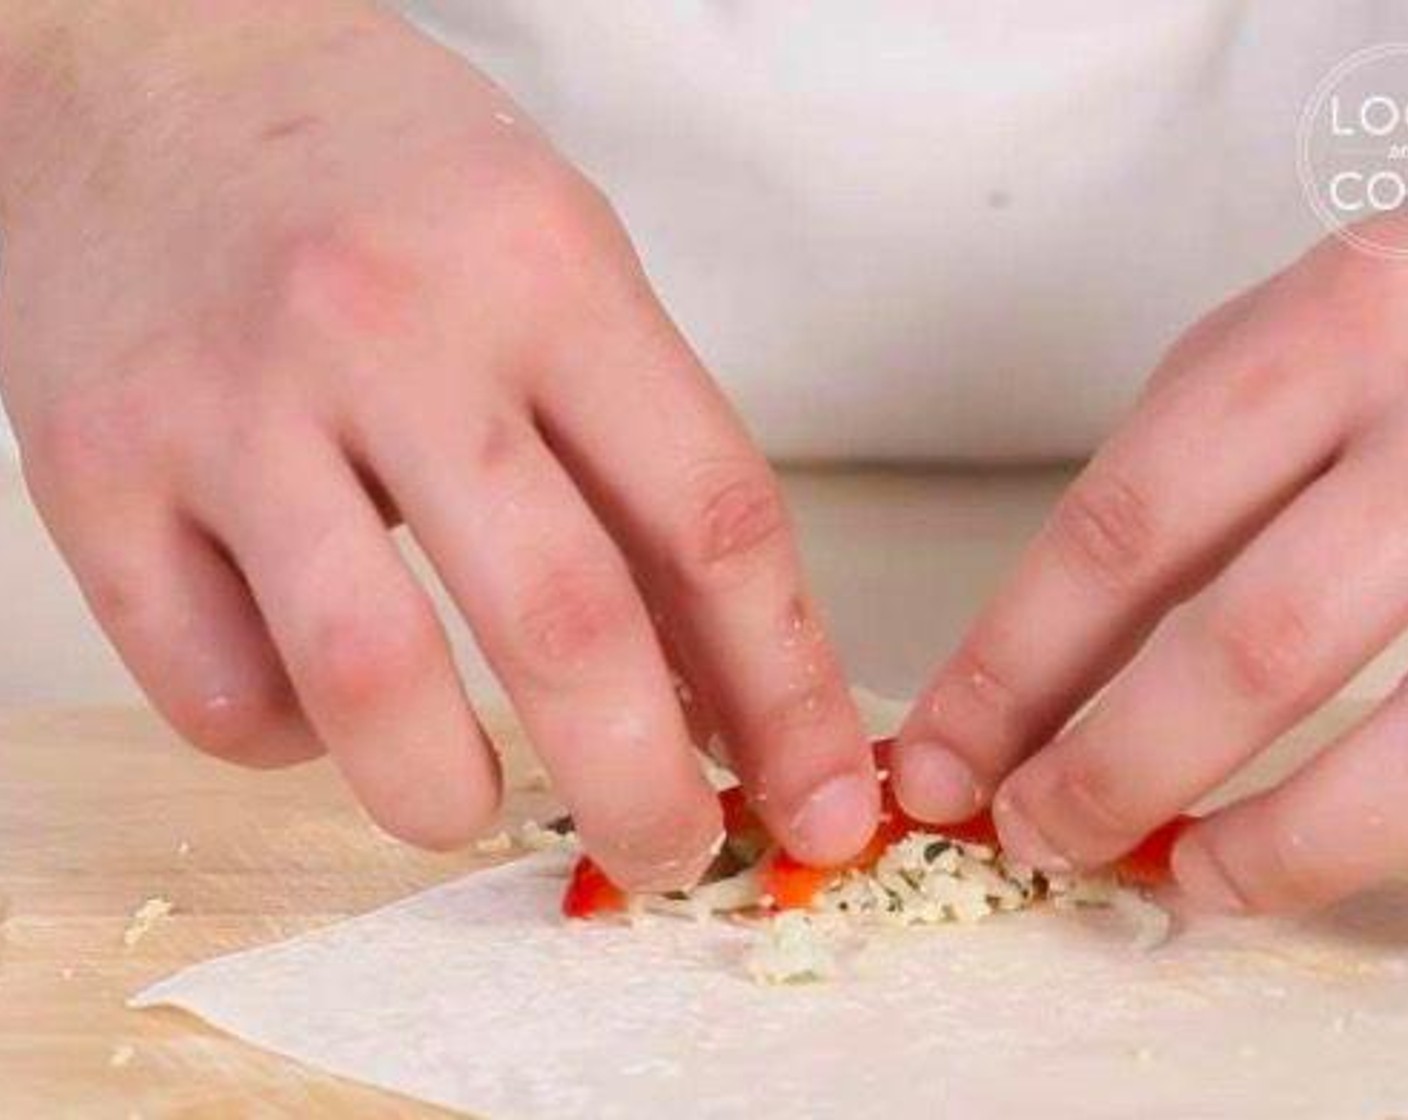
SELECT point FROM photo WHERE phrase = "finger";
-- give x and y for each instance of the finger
(1146, 522)
(1313, 598)
(1204, 339)
(361, 640)
(703, 725)
(554, 608)
(699, 513)
(1332, 830)
(188, 630)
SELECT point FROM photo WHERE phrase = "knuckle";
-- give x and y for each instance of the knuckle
(555, 227)
(1266, 648)
(1340, 268)
(66, 443)
(80, 441)
(247, 444)
(1104, 530)
(1259, 381)
(566, 208)
(567, 618)
(737, 521)
(360, 655)
(338, 282)
(497, 445)
(111, 424)
(1343, 294)
(1389, 227)
(1217, 330)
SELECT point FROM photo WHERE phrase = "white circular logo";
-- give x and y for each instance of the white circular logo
(1353, 149)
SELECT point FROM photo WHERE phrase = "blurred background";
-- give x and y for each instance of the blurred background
(899, 560)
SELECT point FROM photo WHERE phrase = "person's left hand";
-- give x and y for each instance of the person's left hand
(1235, 553)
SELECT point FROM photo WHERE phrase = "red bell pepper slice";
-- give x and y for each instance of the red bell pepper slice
(590, 892)
(1151, 863)
(790, 885)
(740, 821)
(794, 885)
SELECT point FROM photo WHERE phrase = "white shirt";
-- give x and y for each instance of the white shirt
(932, 228)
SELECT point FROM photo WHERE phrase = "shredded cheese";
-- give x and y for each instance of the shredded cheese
(715, 772)
(152, 911)
(1153, 925)
(496, 845)
(792, 949)
(928, 879)
(536, 838)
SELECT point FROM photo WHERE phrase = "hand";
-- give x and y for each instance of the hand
(275, 284)
(1226, 562)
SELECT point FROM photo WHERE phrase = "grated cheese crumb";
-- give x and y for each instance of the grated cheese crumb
(1069, 892)
(536, 838)
(715, 772)
(1153, 925)
(121, 1056)
(791, 950)
(495, 845)
(152, 911)
(637, 914)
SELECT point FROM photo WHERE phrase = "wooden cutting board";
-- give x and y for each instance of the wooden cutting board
(101, 810)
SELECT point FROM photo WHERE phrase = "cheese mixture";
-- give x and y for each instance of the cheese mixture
(924, 879)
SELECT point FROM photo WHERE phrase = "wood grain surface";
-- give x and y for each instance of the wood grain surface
(101, 810)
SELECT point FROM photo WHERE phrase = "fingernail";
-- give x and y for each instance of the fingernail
(681, 873)
(1201, 877)
(836, 821)
(934, 784)
(1023, 841)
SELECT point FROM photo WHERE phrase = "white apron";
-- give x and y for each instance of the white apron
(932, 228)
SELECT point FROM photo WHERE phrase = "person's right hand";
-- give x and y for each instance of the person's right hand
(274, 281)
